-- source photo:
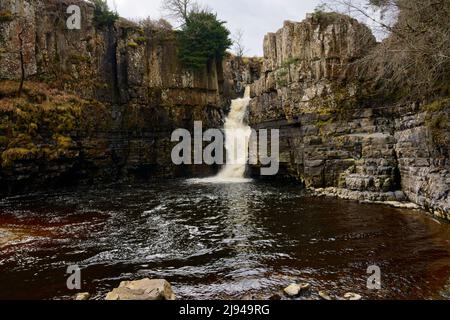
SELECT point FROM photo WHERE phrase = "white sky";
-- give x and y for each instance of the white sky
(254, 17)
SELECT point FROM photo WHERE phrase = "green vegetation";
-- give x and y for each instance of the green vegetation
(6, 16)
(77, 59)
(437, 105)
(281, 77)
(15, 154)
(140, 40)
(202, 38)
(281, 72)
(26, 122)
(322, 123)
(132, 44)
(289, 62)
(438, 121)
(319, 11)
(3, 141)
(103, 15)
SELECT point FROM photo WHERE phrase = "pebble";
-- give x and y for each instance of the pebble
(352, 296)
(294, 289)
(82, 296)
(324, 295)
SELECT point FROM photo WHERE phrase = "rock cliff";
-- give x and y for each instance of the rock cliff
(334, 138)
(100, 103)
(124, 81)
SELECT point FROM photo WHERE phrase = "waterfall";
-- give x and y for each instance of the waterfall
(237, 135)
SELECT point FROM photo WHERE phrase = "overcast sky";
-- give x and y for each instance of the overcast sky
(254, 17)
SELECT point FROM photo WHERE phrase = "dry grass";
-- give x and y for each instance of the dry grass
(43, 121)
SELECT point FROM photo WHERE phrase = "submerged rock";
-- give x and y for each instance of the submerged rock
(5, 237)
(275, 297)
(8, 236)
(145, 289)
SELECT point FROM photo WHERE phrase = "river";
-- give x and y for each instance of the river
(217, 241)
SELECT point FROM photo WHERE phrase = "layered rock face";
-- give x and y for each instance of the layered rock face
(331, 137)
(132, 72)
(239, 73)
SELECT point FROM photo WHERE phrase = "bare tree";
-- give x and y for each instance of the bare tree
(238, 44)
(364, 9)
(415, 58)
(179, 9)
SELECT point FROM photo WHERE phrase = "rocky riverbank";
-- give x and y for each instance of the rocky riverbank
(160, 289)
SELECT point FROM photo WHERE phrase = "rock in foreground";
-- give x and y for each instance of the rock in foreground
(352, 296)
(295, 289)
(145, 289)
(324, 295)
(82, 296)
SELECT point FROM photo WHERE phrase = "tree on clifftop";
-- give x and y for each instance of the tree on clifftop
(202, 39)
(238, 44)
(103, 15)
(178, 9)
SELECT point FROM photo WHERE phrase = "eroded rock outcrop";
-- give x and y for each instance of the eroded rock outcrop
(332, 137)
(239, 73)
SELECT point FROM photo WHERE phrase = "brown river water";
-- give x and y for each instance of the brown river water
(217, 241)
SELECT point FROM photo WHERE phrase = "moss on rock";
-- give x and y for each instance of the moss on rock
(44, 122)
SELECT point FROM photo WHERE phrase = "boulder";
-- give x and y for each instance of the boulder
(324, 295)
(145, 289)
(352, 296)
(82, 296)
(294, 289)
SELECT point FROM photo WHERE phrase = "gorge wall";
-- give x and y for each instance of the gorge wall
(333, 138)
(99, 103)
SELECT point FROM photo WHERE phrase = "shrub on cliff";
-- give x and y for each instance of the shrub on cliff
(202, 38)
(415, 58)
(414, 61)
(6, 16)
(103, 15)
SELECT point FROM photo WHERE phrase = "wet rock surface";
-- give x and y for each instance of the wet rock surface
(82, 296)
(145, 289)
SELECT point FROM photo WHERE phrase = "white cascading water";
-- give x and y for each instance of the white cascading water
(237, 136)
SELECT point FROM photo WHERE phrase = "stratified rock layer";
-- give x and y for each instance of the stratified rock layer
(331, 137)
